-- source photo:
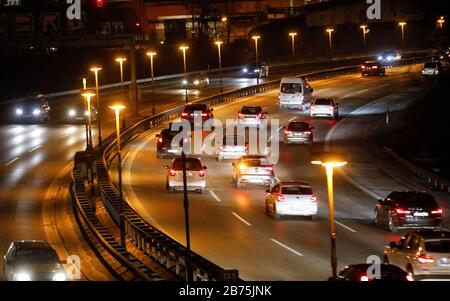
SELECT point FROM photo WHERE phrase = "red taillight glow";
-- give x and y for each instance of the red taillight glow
(204, 114)
(269, 168)
(184, 114)
(402, 211)
(313, 198)
(364, 278)
(201, 173)
(375, 67)
(423, 259)
(363, 67)
(281, 198)
(287, 132)
(409, 278)
(160, 140)
(437, 211)
(240, 115)
(308, 133)
(172, 173)
(260, 115)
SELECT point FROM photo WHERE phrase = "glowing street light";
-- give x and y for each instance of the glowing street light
(256, 38)
(330, 160)
(224, 19)
(151, 54)
(87, 94)
(441, 22)
(117, 109)
(330, 32)
(365, 31)
(96, 70)
(293, 34)
(120, 60)
(402, 25)
(184, 48)
(219, 44)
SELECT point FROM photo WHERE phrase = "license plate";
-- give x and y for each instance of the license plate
(172, 151)
(298, 134)
(190, 174)
(420, 214)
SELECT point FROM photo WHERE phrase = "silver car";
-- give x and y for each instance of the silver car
(291, 198)
(423, 254)
(324, 107)
(253, 170)
(252, 116)
(195, 175)
(232, 147)
(33, 260)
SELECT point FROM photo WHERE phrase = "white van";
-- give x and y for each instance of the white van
(295, 93)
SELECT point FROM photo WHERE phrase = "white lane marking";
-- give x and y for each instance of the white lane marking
(347, 95)
(215, 196)
(345, 85)
(286, 247)
(293, 118)
(323, 90)
(33, 149)
(11, 162)
(241, 219)
(362, 91)
(344, 226)
(64, 136)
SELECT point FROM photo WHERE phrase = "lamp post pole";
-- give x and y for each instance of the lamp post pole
(256, 38)
(186, 220)
(329, 171)
(96, 70)
(293, 34)
(120, 60)
(151, 55)
(184, 48)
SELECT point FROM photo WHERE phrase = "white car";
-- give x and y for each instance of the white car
(253, 169)
(252, 116)
(232, 147)
(432, 69)
(295, 93)
(324, 107)
(424, 254)
(291, 198)
(195, 175)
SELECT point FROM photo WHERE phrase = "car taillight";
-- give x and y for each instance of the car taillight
(269, 168)
(409, 278)
(240, 115)
(204, 114)
(437, 211)
(423, 259)
(287, 132)
(185, 140)
(307, 133)
(260, 115)
(375, 67)
(280, 198)
(313, 107)
(201, 173)
(363, 67)
(313, 198)
(160, 140)
(402, 211)
(363, 278)
(243, 167)
(172, 173)
(184, 114)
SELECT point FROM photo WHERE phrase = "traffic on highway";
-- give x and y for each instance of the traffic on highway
(242, 147)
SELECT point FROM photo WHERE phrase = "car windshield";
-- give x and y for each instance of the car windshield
(298, 127)
(323, 102)
(291, 88)
(417, 200)
(169, 134)
(36, 256)
(197, 107)
(191, 164)
(256, 162)
(438, 246)
(251, 110)
(233, 140)
(296, 190)
(431, 65)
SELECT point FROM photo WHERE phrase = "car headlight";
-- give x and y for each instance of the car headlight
(72, 113)
(19, 111)
(245, 70)
(22, 276)
(86, 113)
(390, 58)
(196, 82)
(36, 112)
(59, 276)
(256, 70)
(184, 82)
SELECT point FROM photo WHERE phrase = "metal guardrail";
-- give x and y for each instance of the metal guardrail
(147, 238)
(85, 215)
(431, 178)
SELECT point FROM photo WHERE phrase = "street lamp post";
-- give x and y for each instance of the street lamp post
(330, 160)
(256, 38)
(117, 109)
(365, 31)
(402, 25)
(186, 221)
(96, 70)
(184, 48)
(293, 34)
(87, 94)
(219, 44)
(87, 128)
(151, 54)
(330, 31)
(120, 60)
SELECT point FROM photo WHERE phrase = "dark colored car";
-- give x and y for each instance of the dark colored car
(389, 56)
(32, 260)
(192, 111)
(79, 114)
(199, 80)
(166, 146)
(255, 70)
(298, 132)
(408, 209)
(34, 110)
(372, 68)
(363, 272)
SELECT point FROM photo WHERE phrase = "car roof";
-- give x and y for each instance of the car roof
(32, 244)
(252, 107)
(371, 62)
(432, 234)
(293, 183)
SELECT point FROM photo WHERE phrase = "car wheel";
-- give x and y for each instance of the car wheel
(201, 191)
(391, 224)
(410, 271)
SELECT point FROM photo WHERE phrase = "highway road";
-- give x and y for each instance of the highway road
(35, 161)
(229, 226)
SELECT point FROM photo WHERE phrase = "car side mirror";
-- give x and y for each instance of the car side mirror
(393, 245)
(166, 167)
(205, 167)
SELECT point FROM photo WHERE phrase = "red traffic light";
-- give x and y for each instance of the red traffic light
(99, 3)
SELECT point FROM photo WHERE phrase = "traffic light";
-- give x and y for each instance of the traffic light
(99, 3)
